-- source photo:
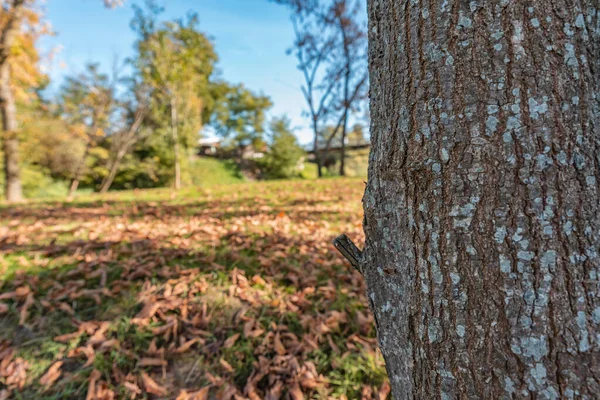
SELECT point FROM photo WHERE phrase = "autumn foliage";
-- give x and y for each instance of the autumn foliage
(229, 293)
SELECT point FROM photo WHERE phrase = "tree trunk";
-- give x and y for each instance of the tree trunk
(12, 183)
(316, 149)
(175, 137)
(482, 215)
(347, 102)
(79, 169)
(108, 181)
(343, 148)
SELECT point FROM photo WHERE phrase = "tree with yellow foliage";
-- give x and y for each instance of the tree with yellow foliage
(87, 102)
(21, 24)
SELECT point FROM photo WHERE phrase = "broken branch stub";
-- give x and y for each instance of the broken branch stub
(348, 249)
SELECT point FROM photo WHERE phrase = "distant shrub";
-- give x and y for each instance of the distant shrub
(284, 158)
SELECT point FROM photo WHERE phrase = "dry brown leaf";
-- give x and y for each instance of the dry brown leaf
(24, 310)
(366, 393)
(98, 337)
(132, 387)
(150, 308)
(89, 353)
(187, 345)
(231, 341)
(66, 308)
(152, 362)
(111, 343)
(295, 392)
(91, 394)
(279, 347)
(248, 327)
(227, 393)
(201, 394)
(226, 365)
(275, 391)
(152, 387)
(52, 374)
(256, 333)
(310, 382)
(22, 291)
(67, 337)
(384, 391)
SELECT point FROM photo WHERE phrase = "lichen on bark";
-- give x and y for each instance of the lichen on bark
(482, 214)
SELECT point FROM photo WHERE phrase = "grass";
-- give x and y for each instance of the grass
(250, 296)
(207, 171)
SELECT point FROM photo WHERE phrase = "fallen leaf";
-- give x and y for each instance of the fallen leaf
(132, 387)
(152, 362)
(24, 310)
(152, 387)
(201, 394)
(94, 376)
(295, 392)
(231, 341)
(384, 391)
(226, 365)
(52, 374)
(279, 348)
(187, 345)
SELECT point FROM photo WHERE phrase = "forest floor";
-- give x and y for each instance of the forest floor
(231, 292)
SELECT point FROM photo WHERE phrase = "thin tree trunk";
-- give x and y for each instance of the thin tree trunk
(79, 170)
(12, 184)
(175, 137)
(343, 148)
(316, 148)
(12, 179)
(482, 211)
(345, 124)
(108, 181)
(347, 103)
(124, 144)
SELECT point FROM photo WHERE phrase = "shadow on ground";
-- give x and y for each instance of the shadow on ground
(232, 297)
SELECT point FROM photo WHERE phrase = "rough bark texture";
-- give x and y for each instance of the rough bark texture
(482, 212)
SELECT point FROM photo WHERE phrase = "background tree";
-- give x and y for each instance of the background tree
(133, 115)
(482, 218)
(238, 115)
(351, 54)
(13, 15)
(330, 47)
(18, 18)
(284, 153)
(315, 42)
(87, 102)
(177, 60)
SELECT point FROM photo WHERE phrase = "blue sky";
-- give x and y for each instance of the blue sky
(250, 36)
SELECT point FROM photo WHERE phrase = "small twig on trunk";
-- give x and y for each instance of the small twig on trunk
(348, 249)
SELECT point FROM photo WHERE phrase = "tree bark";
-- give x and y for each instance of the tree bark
(482, 215)
(175, 137)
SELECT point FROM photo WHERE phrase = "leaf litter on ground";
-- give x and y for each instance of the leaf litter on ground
(229, 293)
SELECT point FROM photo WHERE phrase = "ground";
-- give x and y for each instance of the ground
(228, 292)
